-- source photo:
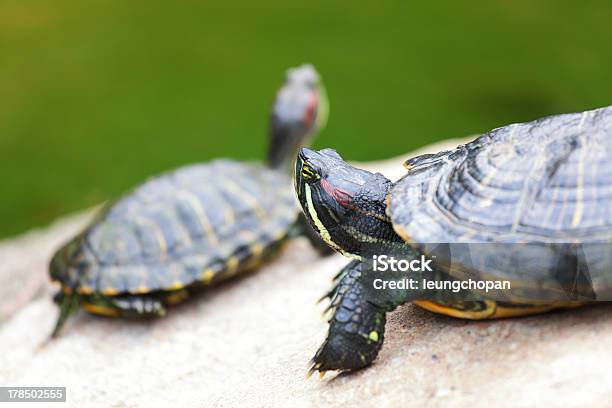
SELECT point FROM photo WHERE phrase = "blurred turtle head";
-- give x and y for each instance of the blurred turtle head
(300, 110)
(344, 204)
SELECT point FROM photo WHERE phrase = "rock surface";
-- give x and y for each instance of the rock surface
(248, 343)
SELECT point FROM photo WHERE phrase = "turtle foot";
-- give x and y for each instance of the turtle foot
(356, 328)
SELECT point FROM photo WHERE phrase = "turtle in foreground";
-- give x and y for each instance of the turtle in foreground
(195, 226)
(523, 187)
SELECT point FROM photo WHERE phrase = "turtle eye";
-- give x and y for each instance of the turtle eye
(308, 173)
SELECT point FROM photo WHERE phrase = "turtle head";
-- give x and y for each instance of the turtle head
(299, 112)
(344, 204)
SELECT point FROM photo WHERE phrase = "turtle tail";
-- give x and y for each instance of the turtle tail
(68, 303)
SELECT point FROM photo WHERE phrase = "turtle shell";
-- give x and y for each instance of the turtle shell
(200, 223)
(547, 181)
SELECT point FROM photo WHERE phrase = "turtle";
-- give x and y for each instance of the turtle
(194, 226)
(539, 190)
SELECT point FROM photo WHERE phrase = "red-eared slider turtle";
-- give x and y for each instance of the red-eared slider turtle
(194, 226)
(532, 189)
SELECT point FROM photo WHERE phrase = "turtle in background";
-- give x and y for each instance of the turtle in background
(194, 226)
(532, 189)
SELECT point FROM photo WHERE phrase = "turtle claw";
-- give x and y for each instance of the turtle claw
(344, 351)
(312, 369)
(328, 295)
(325, 312)
(338, 277)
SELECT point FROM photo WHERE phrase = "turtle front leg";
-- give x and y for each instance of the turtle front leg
(357, 324)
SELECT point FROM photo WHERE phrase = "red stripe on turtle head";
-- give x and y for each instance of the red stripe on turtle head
(342, 197)
(311, 110)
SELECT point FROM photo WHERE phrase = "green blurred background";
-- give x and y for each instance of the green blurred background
(98, 95)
